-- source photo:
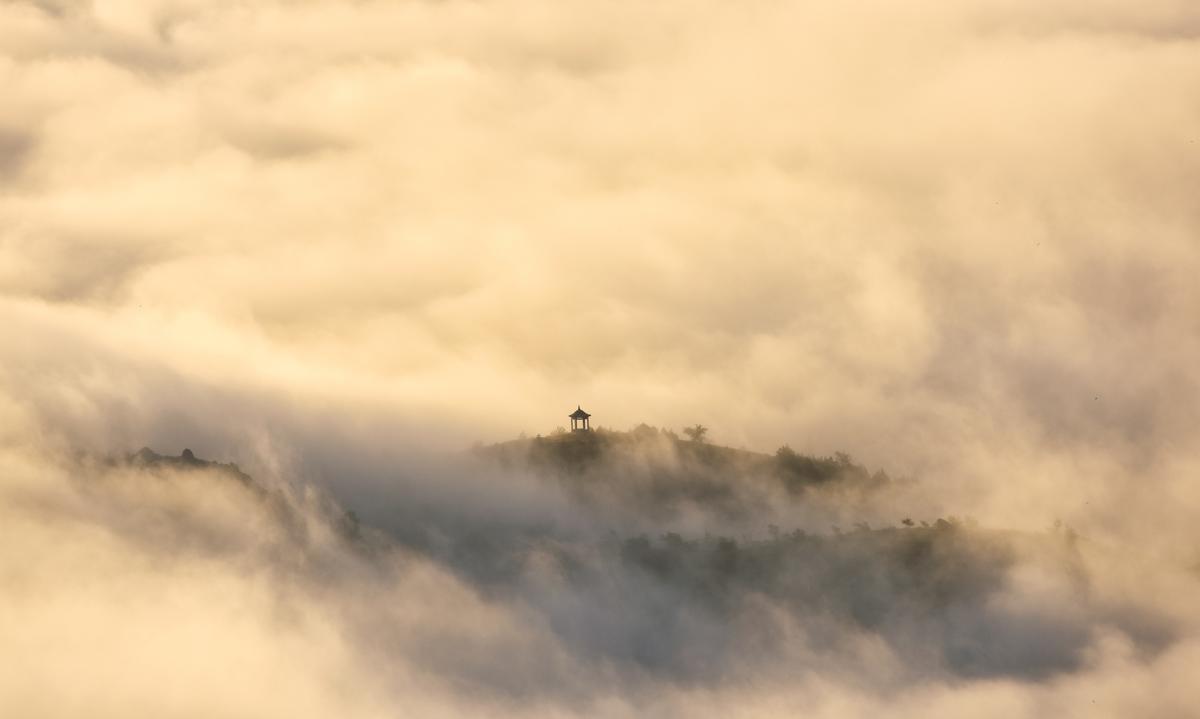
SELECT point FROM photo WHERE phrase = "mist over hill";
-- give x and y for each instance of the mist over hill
(608, 590)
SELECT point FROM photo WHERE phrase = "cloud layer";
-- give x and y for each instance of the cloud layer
(330, 239)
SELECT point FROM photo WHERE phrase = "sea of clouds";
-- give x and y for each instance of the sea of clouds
(339, 242)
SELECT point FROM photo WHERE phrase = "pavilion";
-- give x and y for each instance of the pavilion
(579, 420)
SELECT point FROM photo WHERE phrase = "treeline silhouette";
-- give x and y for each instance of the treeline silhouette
(658, 471)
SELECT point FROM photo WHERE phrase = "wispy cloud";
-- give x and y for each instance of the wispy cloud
(326, 239)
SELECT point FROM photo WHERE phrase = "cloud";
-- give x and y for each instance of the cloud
(335, 241)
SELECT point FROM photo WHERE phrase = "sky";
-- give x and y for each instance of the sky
(956, 240)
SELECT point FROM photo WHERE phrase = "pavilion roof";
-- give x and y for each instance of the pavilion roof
(579, 414)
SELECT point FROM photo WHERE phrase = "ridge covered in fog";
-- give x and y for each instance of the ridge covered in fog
(646, 603)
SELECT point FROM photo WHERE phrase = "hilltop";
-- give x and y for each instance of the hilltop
(663, 456)
(147, 458)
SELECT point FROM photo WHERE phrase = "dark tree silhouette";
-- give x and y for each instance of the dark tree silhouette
(697, 433)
